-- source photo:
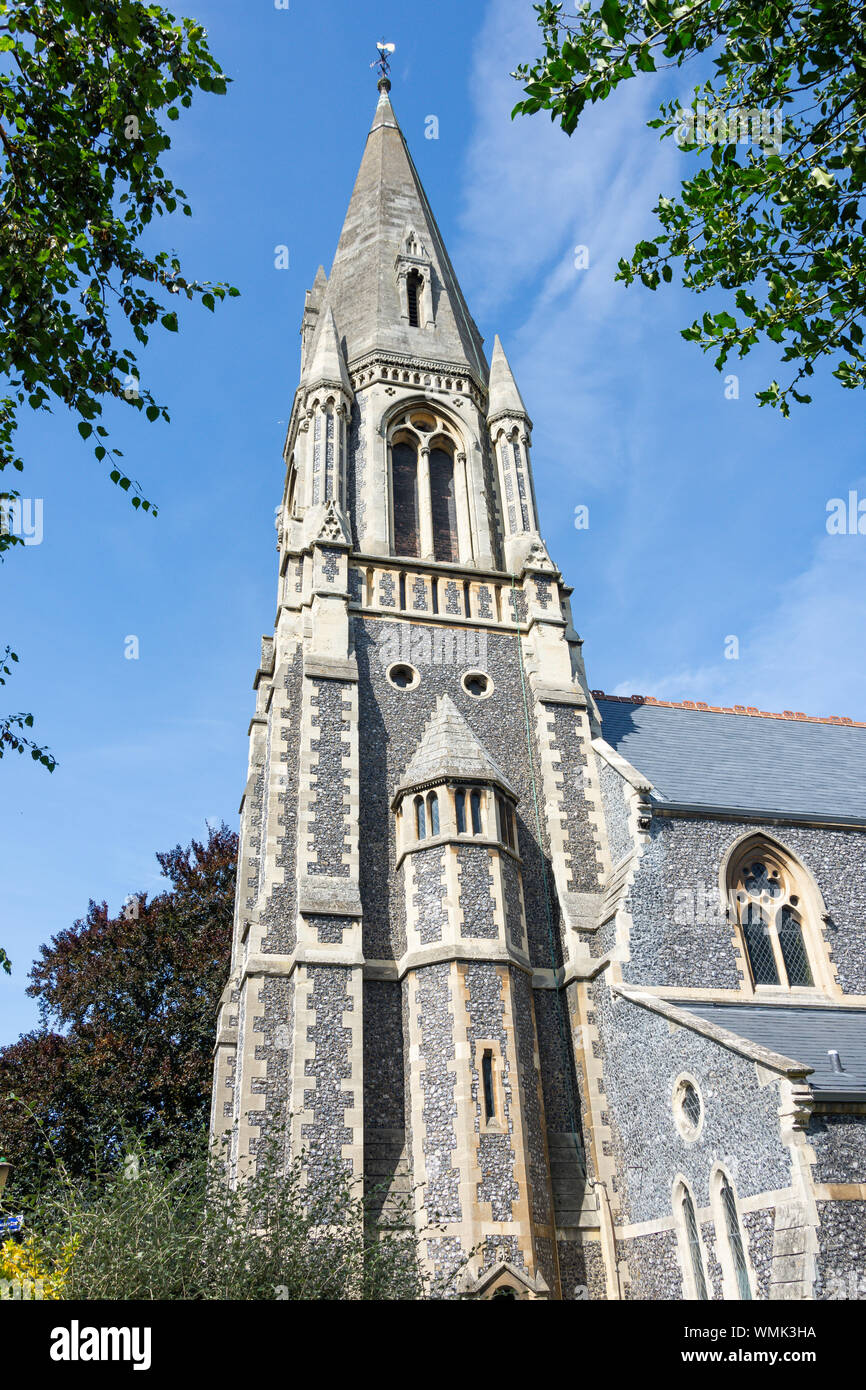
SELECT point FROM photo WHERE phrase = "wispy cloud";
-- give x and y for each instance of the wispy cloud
(805, 653)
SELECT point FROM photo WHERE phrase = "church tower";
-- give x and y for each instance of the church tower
(422, 841)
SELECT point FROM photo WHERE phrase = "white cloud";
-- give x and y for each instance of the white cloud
(806, 652)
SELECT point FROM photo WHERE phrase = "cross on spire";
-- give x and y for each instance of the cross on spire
(383, 64)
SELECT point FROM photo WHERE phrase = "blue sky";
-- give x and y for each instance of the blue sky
(707, 515)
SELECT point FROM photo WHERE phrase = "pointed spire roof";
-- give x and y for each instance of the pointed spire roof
(504, 397)
(363, 290)
(327, 362)
(449, 749)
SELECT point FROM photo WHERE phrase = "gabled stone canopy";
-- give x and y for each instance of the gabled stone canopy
(363, 289)
(450, 751)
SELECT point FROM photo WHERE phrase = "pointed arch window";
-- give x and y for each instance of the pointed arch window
(734, 1238)
(460, 808)
(696, 1280)
(433, 810)
(404, 482)
(443, 504)
(420, 818)
(767, 901)
(475, 806)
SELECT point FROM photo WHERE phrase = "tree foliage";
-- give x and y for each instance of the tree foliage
(289, 1231)
(777, 223)
(87, 91)
(128, 1007)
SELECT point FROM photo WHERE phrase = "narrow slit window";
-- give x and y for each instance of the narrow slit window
(433, 808)
(460, 808)
(475, 803)
(487, 1078)
(420, 818)
(402, 591)
(413, 293)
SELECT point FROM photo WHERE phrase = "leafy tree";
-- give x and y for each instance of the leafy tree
(144, 1229)
(128, 1007)
(778, 222)
(86, 87)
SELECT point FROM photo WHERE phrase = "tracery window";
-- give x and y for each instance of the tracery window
(767, 902)
(424, 474)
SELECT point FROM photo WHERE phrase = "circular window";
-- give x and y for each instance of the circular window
(478, 684)
(688, 1108)
(403, 676)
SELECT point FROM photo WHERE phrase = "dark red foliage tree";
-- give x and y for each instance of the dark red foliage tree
(128, 1006)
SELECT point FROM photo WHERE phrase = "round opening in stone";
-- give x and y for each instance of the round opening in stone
(402, 676)
(477, 684)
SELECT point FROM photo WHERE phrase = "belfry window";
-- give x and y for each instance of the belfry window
(433, 808)
(404, 475)
(414, 285)
(460, 808)
(443, 505)
(428, 487)
(420, 818)
(475, 804)
(767, 904)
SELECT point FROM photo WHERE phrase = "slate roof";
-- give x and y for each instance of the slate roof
(804, 1034)
(778, 765)
(448, 748)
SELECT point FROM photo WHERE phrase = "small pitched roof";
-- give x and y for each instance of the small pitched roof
(449, 749)
(327, 362)
(783, 766)
(504, 395)
(810, 1034)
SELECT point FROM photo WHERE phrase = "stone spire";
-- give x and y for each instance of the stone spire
(327, 364)
(504, 397)
(390, 233)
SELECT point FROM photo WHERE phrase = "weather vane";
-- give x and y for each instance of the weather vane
(383, 64)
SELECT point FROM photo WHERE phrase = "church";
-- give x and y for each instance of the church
(574, 982)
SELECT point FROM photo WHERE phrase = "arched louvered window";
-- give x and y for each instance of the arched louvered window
(767, 901)
(734, 1238)
(443, 505)
(420, 818)
(693, 1245)
(404, 483)
(433, 809)
(460, 808)
(475, 804)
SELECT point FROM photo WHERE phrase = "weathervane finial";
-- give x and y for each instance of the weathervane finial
(383, 64)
